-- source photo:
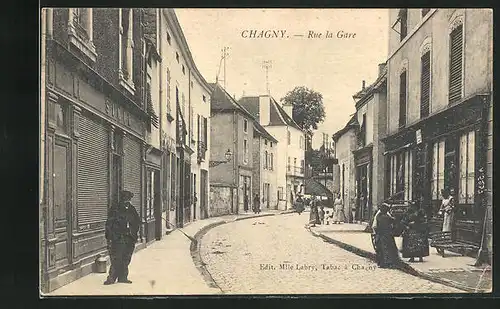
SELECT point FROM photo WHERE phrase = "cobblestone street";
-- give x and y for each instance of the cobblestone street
(276, 255)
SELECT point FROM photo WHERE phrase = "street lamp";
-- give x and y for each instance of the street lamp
(227, 155)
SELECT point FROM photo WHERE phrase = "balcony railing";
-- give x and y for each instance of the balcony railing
(294, 170)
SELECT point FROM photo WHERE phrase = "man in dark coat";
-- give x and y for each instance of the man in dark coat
(122, 227)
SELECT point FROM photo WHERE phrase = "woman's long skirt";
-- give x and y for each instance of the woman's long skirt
(338, 215)
(447, 222)
(386, 251)
(415, 244)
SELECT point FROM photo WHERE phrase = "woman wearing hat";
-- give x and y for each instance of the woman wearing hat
(383, 238)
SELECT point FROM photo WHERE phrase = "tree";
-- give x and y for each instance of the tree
(308, 110)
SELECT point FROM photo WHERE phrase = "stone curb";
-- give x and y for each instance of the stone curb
(195, 247)
(405, 267)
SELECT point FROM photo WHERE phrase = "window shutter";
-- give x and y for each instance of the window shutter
(402, 99)
(456, 49)
(425, 85)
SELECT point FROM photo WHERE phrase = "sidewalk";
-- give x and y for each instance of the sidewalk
(165, 267)
(452, 270)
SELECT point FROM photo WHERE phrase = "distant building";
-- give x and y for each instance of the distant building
(232, 129)
(439, 122)
(371, 110)
(344, 143)
(290, 160)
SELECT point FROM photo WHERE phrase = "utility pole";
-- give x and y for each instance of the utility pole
(267, 64)
(224, 55)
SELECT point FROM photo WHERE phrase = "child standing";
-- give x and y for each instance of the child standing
(322, 215)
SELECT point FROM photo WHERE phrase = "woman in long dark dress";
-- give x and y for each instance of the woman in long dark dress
(415, 234)
(299, 205)
(314, 215)
(385, 246)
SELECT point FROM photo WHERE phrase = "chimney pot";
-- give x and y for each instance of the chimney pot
(381, 68)
(363, 87)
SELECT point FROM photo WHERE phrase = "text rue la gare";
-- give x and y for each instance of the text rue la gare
(341, 34)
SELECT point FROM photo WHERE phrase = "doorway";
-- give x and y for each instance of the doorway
(363, 198)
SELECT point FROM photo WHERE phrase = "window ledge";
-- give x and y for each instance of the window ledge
(127, 85)
(85, 46)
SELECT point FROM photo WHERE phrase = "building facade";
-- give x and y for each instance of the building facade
(232, 131)
(439, 112)
(290, 159)
(344, 144)
(265, 176)
(185, 123)
(368, 154)
(95, 128)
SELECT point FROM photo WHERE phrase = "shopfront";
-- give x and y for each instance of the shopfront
(94, 147)
(445, 151)
(363, 162)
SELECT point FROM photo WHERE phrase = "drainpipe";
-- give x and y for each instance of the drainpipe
(235, 161)
(160, 86)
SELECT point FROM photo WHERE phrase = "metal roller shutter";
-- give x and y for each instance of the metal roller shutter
(92, 172)
(132, 169)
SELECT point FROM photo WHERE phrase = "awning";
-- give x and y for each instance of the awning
(397, 149)
(314, 187)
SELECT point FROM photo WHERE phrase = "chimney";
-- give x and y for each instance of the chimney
(288, 109)
(363, 85)
(381, 68)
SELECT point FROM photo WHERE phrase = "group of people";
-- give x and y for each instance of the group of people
(317, 213)
(255, 205)
(413, 227)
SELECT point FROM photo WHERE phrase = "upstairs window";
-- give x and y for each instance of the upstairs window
(403, 31)
(456, 54)
(362, 133)
(204, 98)
(289, 137)
(169, 39)
(425, 84)
(245, 125)
(177, 56)
(271, 163)
(80, 30)
(402, 99)
(126, 48)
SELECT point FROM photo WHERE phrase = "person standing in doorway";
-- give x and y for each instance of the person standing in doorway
(256, 204)
(447, 209)
(245, 203)
(338, 208)
(122, 227)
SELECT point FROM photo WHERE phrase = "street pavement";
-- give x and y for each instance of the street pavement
(454, 269)
(163, 268)
(276, 255)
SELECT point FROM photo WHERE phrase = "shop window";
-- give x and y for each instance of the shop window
(437, 178)
(456, 54)
(467, 168)
(401, 175)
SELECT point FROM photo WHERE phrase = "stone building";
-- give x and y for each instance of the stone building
(439, 115)
(369, 160)
(185, 125)
(98, 128)
(290, 159)
(344, 143)
(231, 177)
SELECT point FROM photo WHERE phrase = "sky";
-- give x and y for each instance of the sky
(334, 67)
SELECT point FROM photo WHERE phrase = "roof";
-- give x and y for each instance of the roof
(251, 104)
(181, 39)
(351, 124)
(222, 101)
(366, 93)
